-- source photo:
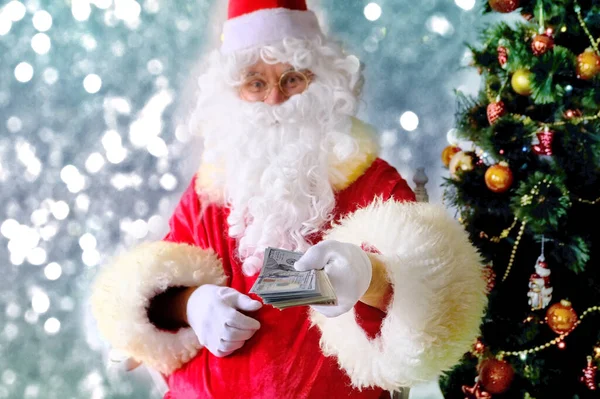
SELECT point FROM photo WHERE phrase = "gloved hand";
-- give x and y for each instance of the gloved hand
(348, 268)
(213, 312)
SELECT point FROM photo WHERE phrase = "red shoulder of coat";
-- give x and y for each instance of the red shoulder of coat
(380, 180)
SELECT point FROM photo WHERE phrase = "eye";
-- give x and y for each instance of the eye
(255, 85)
(293, 81)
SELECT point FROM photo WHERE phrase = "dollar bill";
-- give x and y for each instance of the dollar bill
(282, 286)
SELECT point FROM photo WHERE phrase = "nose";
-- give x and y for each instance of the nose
(275, 97)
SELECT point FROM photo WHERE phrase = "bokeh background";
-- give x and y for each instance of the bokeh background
(94, 151)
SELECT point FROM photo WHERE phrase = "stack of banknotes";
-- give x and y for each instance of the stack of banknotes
(282, 286)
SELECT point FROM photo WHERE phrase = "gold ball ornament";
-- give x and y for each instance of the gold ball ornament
(521, 82)
(561, 317)
(460, 162)
(588, 65)
(448, 153)
(499, 177)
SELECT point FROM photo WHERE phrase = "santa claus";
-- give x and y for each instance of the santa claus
(287, 165)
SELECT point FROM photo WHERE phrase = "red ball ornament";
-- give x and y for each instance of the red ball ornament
(543, 146)
(495, 111)
(496, 375)
(502, 55)
(588, 65)
(499, 177)
(561, 316)
(541, 44)
(504, 5)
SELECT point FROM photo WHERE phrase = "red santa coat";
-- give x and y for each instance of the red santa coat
(432, 319)
(283, 359)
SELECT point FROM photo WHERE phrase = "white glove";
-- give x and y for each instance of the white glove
(348, 268)
(213, 313)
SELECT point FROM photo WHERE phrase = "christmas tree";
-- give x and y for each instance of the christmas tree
(525, 181)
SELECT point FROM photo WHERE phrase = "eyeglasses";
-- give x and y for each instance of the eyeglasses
(256, 88)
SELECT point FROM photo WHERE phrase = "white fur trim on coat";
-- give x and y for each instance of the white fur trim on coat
(438, 303)
(268, 26)
(123, 290)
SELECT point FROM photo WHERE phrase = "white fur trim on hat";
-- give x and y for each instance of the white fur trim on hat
(268, 26)
(438, 303)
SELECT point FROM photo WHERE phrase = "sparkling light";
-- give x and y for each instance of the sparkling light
(372, 11)
(41, 43)
(60, 210)
(11, 331)
(465, 4)
(24, 72)
(168, 182)
(39, 217)
(152, 6)
(156, 224)
(53, 271)
(14, 124)
(9, 377)
(90, 258)
(82, 202)
(87, 242)
(40, 302)
(67, 304)
(81, 9)
(50, 75)
(149, 121)
(439, 24)
(52, 326)
(128, 10)
(88, 42)
(74, 180)
(155, 67)
(15, 10)
(102, 4)
(92, 83)
(37, 256)
(42, 20)
(94, 163)
(13, 310)
(31, 317)
(32, 391)
(158, 147)
(9, 228)
(409, 121)
(5, 24)
(111, 140)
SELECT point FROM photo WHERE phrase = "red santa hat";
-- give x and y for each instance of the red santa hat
(254, 23)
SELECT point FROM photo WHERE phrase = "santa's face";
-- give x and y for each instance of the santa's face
(272, 128)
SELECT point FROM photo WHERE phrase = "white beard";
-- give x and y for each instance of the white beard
(275, 161)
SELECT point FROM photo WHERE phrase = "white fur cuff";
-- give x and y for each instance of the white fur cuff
(123, 290)
(439, 297)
